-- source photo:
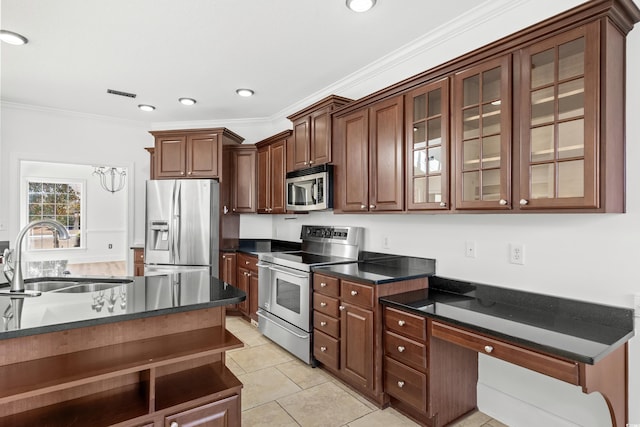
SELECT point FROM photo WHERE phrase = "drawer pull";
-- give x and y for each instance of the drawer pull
(323, 304)
(488, 348)
(323, 348)
(247, 262)
(323, 285)
(401, 322)
(400, 348)
(341, 307)
(400, 384)
(323, 323)
(174, 424)
(354, 293)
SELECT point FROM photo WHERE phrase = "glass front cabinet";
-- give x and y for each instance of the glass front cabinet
(559, 121)
(427, 134)
(482, 126)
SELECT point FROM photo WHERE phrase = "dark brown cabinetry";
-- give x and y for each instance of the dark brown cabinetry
(271, 159)
(138, 261)
(427, 136)
(228, 266)
(247, 281)
(311, 141)
(347, 334)
(370, 165)
(243, 194)
(191, 153)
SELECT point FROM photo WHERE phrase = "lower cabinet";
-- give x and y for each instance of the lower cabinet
(431, 380)
(247, 281)
(223, 413)
(347, 325)
(138, 261)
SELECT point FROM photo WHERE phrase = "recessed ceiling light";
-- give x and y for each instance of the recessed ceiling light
(12, 38)
(360, 5)
(187, 101)
(145, 107)
(245, 92)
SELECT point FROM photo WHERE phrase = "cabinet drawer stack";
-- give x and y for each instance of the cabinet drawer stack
(406, 358)
(326, 320)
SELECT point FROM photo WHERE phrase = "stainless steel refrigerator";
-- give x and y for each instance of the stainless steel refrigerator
(182, 226)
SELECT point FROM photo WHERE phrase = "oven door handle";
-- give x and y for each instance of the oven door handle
(271, 267)
(279, 325)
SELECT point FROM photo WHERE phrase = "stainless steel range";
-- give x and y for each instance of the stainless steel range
(285, 286)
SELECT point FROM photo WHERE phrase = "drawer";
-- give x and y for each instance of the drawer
(247, 261)
(405, 384)
(326, 285)
(356, 293)
(405, 350)
(326, 350)
(405, 323)
(326, 324)
(557, 368)
(326, 305)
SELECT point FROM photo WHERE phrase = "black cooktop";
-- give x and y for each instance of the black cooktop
(303, 260)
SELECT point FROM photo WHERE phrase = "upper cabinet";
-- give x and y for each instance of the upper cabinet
(427, 136)
(560, 146)
(482, 126)
(271, 160)
(311, 141)
(533, 122)
(243, 194)
(370, 158)
(191, 153)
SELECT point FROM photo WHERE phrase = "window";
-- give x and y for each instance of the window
(58, 200)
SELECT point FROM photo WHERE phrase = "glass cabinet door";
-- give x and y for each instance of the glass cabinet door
(482, 109)
(558, 121)
(427, 117)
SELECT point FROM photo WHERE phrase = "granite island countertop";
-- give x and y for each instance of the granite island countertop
(140, 297)
(576, 330)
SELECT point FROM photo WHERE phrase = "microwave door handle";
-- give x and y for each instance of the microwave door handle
(314, 192)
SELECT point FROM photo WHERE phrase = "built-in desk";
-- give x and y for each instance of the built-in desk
(581, 343)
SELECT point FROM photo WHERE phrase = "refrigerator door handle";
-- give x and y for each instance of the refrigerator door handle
(176, 223)
(172, 243)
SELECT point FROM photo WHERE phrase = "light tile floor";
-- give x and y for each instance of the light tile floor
(280, 390)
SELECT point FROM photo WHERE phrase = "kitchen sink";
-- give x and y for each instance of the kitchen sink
(49, 285)
(90, 287)
(75, 285)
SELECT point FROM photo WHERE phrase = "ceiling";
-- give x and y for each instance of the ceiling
(285, 50)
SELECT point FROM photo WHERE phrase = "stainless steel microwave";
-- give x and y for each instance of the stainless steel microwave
(310, 189)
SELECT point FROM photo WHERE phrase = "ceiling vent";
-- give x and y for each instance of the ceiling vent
(120, 93)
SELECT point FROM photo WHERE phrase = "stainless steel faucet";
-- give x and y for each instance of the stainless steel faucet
(14, 274)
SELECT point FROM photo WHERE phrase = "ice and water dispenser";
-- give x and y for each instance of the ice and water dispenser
(159, 235)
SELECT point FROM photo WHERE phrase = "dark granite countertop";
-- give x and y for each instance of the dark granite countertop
(141, 297)
(378, 269)
(257, 246)
(576, 330)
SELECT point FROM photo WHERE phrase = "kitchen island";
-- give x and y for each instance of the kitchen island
(146, 352)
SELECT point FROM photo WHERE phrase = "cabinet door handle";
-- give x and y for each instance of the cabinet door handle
(400, 348)
(443, 205)
(400, 384)
(323, 285)
(323, 323)
(190, 173)
(305, 163)
(354, 293)
(502, 202)
(323, 348)
(323, 304)
(341, 307)
(488, 348)
(372, 206)
(401, 322)
(310, 162)
(524, 202)
(247, 262)
(363, 206)
(181, 173)
(174, 424)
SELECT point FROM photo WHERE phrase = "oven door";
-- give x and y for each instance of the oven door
(286, 293)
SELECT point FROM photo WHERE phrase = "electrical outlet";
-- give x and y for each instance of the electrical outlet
(516, 253)
(470, 249)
